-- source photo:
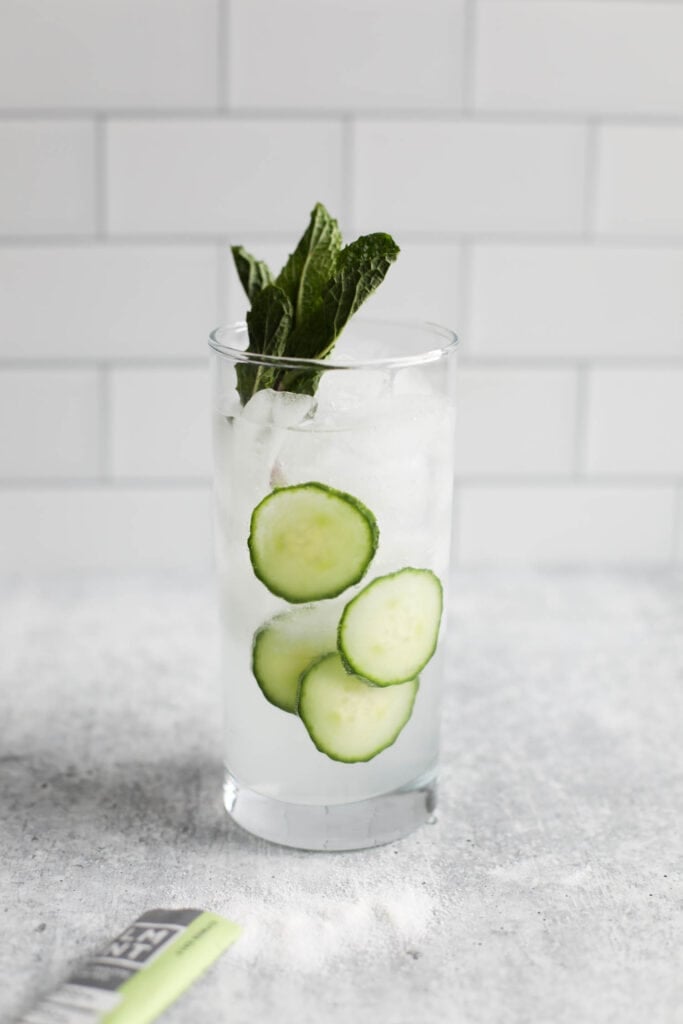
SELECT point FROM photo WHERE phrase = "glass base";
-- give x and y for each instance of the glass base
(354, 826)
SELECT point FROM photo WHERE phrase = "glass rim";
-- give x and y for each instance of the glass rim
(430, 355)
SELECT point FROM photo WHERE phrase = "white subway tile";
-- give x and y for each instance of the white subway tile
(345, 54)
(47, 177)
(597, 58)
(218, 176)
(104, 528)
(575, 301)
(421, 285)
(566, 525)
(635, 421)
(515, 421)
(48, 423)
(640, 169)
(113, 53)
(107, 301)
(160, 422)
(465, 176)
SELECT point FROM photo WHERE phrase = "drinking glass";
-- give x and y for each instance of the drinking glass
(374, 424)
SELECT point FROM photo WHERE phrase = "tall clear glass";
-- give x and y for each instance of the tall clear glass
(379, 428)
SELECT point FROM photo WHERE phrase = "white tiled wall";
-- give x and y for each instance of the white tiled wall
(386, 54)
(99, 527)
(47, 177)
(516, 422)
(567, 523)
(635, 420)
(584, 301)
(597, 57)
(212, 176)
(49, 423)
(639, 180)
(469, 177)
(105, 301)
(164, 445)
(80, 55)
(528, 157)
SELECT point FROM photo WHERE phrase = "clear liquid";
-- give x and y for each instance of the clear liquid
(397, 459)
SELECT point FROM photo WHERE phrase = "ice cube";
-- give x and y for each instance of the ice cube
(258, 434)
(350, 395)
(389, 456)
(279, 408)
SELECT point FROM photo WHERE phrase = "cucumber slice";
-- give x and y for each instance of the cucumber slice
(347, 718)
(310, 542)
(287, 645)
(388, 632)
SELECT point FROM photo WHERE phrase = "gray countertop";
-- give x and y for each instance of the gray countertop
(548, 890)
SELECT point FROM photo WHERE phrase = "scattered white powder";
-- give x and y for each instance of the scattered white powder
(306, 932)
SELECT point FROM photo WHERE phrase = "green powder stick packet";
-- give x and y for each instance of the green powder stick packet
(141, 972)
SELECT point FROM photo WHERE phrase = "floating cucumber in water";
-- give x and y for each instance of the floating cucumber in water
(286, 645)
(347, 718)
(389, 631)
(310, 541)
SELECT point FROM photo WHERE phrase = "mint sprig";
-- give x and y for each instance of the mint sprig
(253, 273)
(270, 320)
(302, 312)
(312, 264)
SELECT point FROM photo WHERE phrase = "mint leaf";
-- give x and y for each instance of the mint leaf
(303, 312)
(269, 322)
(253, 273)
(361, 268)
(312, 264)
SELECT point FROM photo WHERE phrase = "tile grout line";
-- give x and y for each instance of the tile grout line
(104, 421)
(581, 423)
(83, 363)
(671, 243)
(139, 483)
(462, 482)
(222, 286)
(348, 171)
(469, 56)
(455, 525)
(676, 552)
(100, 176)
(552, 481)
(464, 296)
(498, 362)
(477, 362)
(447, 115)
(590, 198)
(222, 43)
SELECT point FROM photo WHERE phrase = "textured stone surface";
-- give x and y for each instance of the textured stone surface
(547, 891)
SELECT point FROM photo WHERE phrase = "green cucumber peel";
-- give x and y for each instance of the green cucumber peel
(310, 542)
(286, 645)
(347, 718)
(389, 631)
